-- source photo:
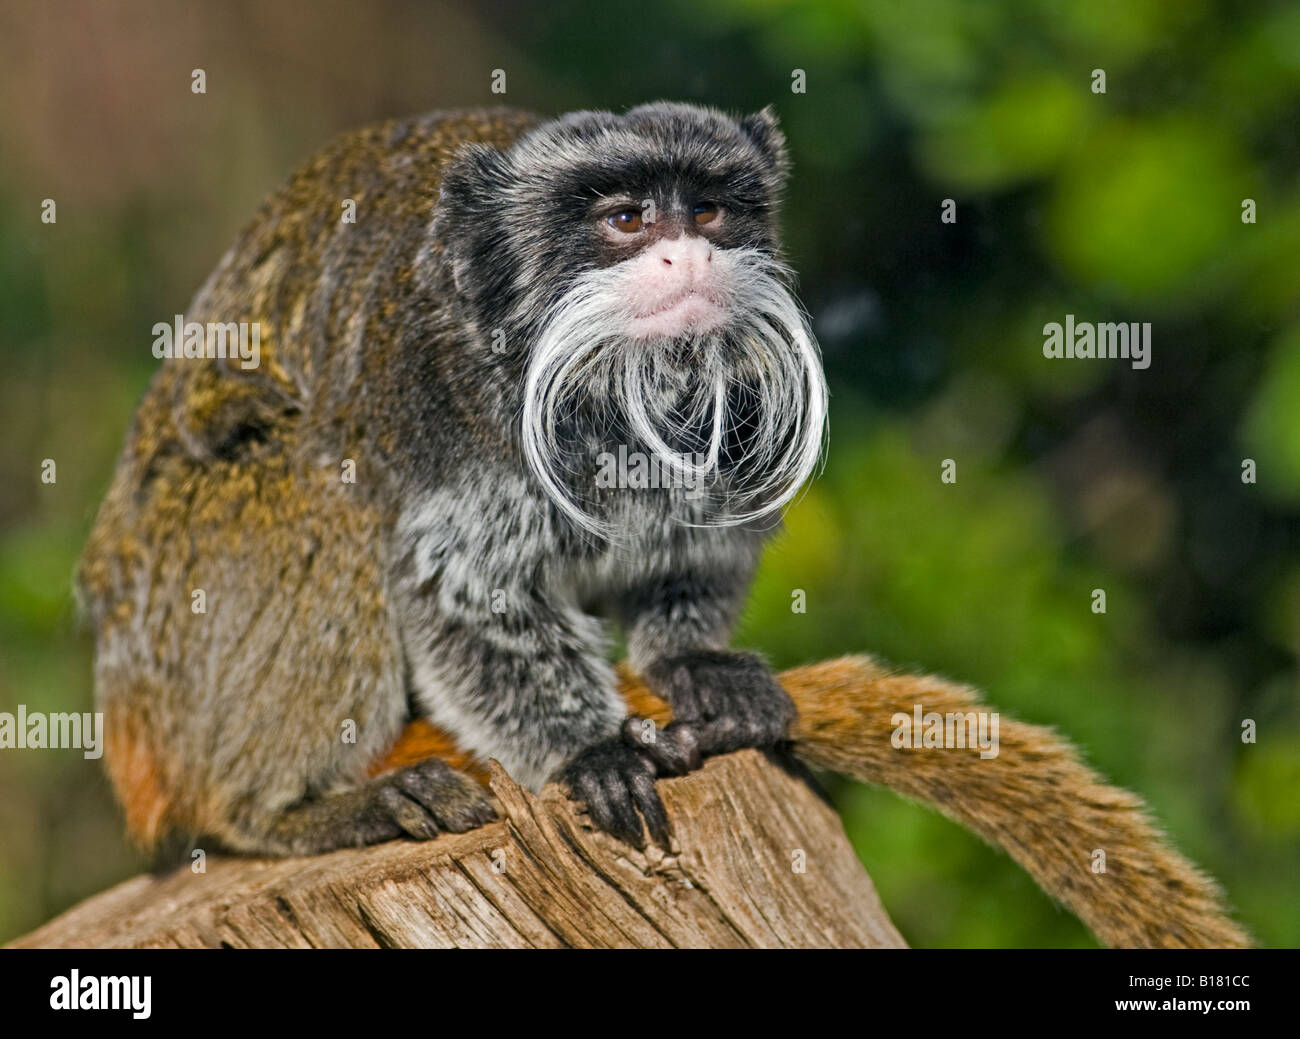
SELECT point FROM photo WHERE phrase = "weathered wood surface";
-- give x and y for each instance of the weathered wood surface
(539, 877)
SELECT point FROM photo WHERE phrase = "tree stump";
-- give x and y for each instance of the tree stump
(759, 860)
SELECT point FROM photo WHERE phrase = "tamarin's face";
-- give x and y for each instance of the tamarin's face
(631, 264)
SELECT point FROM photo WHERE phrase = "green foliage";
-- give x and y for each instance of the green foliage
(1271, 429)
(1071, 475)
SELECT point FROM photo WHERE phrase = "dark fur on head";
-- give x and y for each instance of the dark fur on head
(741, 407)
(518, 218)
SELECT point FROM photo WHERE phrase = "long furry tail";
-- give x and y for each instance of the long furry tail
(1036, 800)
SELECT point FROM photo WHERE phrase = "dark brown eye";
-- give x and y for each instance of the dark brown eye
(705, 212)
(626, 220)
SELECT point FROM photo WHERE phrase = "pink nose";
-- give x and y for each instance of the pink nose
(687, 256)
(673, 286)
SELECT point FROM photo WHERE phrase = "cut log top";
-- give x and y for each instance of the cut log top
(760, 860)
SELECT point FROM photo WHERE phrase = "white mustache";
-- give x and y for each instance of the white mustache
(651, 388)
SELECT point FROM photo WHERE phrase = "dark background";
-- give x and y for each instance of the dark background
(1072, 475)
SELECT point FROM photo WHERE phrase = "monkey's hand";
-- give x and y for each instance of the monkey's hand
(431, 797)
(420, 801)
(616, 781)
(721, 701)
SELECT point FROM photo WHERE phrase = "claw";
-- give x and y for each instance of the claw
(430, 797)
(408, 814)
(616, 783)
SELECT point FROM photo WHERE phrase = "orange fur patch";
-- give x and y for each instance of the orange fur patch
(137, 775)
(421, 740)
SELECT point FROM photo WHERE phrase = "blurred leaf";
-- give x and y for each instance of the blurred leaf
(1271, 431)
(1268, 779)
(1140, 208)
(1019, 132)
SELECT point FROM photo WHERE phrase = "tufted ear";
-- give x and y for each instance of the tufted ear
(764, 129)
(474, 186)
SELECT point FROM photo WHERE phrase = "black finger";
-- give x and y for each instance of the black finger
(642, 788)
(411, 816)
(625, 824)
(452, 798)
(674, 750)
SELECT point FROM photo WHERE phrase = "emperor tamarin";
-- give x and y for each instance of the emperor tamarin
(409, 506)
(516, 379)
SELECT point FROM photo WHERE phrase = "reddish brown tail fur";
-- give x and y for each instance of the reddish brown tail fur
(1036, 800)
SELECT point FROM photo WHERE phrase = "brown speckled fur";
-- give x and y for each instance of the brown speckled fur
(194, 703)
(230, 483)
